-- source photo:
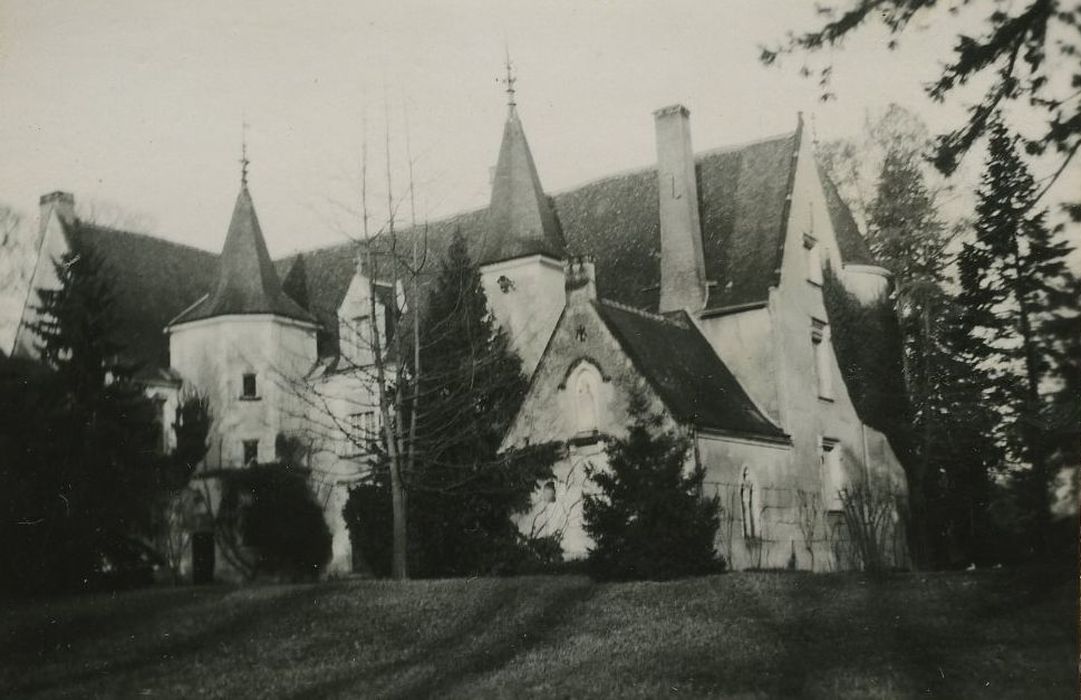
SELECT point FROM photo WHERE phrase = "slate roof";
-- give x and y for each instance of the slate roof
(152, 280)
(853, 245)
(247, 282)
(742, 196)
(521, 220)
(686, 373)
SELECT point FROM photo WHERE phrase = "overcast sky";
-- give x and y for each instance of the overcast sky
(138, 105)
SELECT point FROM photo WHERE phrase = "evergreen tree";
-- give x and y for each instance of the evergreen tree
(1015, 291)
(648, 519)
(462, 492)
(93, 477)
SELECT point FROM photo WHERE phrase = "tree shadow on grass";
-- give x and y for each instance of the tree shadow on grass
(225, 626)
(480, 643)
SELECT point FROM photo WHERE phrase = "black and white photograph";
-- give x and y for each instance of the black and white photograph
(562, 349)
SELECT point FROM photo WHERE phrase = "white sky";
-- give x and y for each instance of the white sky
(139, 104)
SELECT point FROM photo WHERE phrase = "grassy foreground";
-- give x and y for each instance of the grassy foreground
(986, 634)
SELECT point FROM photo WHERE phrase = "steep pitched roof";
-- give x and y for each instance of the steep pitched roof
(691, 380)
(521, 220)
(152, 280)
(742, 195)
(853, 245)
(247, 281)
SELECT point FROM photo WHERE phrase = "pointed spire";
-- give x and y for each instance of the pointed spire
(247, 281)
(521, 219)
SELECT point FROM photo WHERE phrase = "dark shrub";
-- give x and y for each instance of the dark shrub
(276, 515)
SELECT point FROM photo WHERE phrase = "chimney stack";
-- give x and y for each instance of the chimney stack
(581, 280)
(63, 203)
(683, 267)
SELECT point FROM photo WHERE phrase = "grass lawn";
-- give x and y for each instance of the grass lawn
(989, 634)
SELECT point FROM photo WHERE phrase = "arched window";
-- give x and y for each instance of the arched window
(585, 389)
(748, 501)
(548, 493)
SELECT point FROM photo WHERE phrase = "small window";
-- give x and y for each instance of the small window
(249, 388)
(833, 473)
(748, 503)
(548, 493)
(251, 452)
(814, 259)
(823, 366)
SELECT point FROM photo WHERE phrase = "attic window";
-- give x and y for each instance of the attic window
(814, 259)
(249, 388)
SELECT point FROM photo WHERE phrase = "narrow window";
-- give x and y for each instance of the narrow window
(747, 498)
(586, 402)
(832, 474)
(251, 452)
(823, 369)
(249, 389)
(548, 493)
(814, 259)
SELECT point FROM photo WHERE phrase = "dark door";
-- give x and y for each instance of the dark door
(202, 557)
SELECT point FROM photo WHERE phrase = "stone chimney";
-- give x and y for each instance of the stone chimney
(581, 280)
(683, 268)
(63, 203)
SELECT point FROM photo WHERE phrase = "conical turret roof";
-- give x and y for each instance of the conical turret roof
(521, 220)
(247, 282)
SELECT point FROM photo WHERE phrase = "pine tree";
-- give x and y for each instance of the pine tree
(462, 492)
(101, 470)
(648, 519)
(1014, 284)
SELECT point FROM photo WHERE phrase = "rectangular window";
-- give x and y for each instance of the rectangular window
(833, 476)
(823, 366)
(814, 259)
(251, 452)
(249, 389)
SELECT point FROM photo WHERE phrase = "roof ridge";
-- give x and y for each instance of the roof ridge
(699, 155)
(641, 312)
(84, 225)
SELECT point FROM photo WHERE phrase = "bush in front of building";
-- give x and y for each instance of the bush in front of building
(648, 519)
(274, 522)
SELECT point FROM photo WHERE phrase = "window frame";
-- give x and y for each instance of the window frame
(813, 259)
(820, 336)
(245, 395)
(254, 446)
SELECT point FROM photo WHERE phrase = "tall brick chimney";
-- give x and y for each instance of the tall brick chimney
(683, 267)
(580, 274)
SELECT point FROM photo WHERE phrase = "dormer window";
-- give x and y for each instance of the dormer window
(249, 390)
(814, 259)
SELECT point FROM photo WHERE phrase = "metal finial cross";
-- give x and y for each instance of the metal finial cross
(509, 81)
(244, 152)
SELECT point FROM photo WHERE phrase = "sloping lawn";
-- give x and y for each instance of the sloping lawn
(985, 634)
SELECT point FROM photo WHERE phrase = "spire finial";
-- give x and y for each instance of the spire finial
(509, 80)
(244, 152)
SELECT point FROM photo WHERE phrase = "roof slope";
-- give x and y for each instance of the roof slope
(152, 280)
(247, 281)
(853, 245)
(683, 369)
(742, 197)
(521, 220)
